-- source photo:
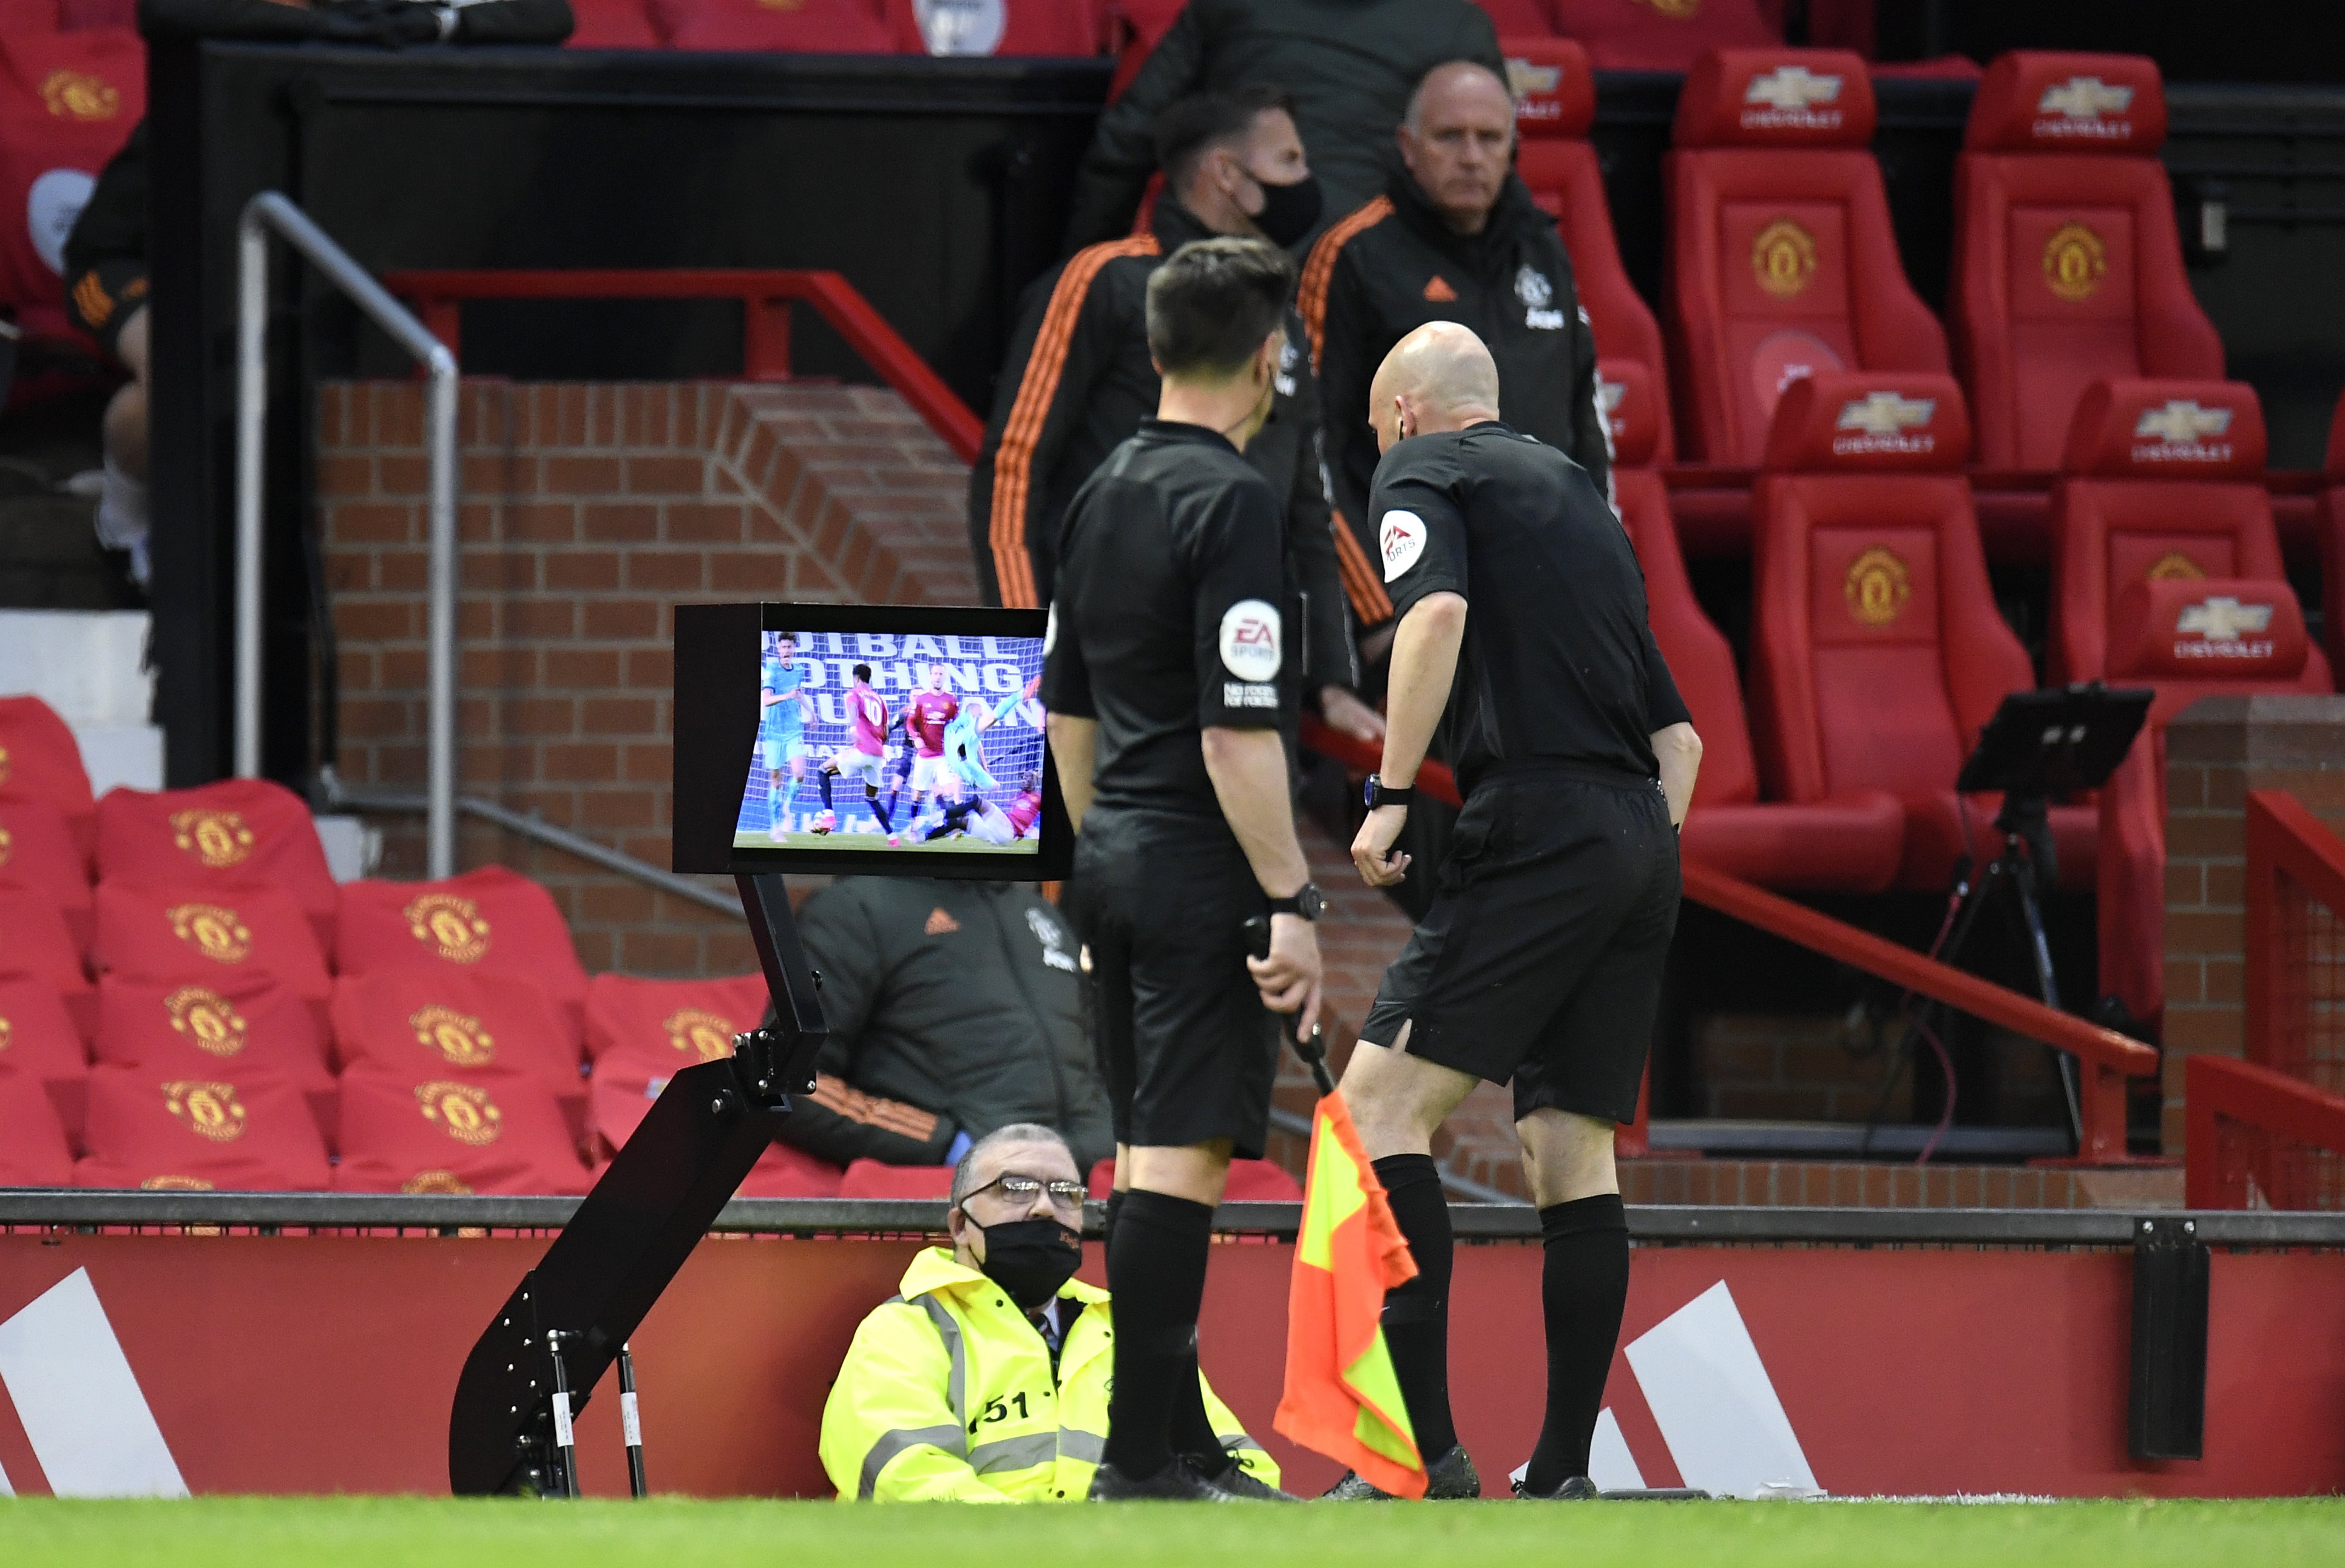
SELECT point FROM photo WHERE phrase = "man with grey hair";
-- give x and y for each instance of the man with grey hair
(986, 1379)
(1455, 238)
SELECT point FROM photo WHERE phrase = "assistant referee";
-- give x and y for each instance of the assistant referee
(1164, 660)
(1522, 634)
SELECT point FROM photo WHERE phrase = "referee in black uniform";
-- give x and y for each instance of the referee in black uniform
(1521, 613)
(1166, 658)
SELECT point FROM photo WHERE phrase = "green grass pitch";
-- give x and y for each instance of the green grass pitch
(397, 1532)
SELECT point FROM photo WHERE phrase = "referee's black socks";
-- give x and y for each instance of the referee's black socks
(1156, 1270)
(1416, 1315)
(1584, 1288)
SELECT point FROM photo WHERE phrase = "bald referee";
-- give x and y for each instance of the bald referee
(1522, 636)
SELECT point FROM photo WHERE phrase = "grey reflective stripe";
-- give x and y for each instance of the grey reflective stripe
(1088, 1447)
(891, 1443)
(949, 1331)
(1014, 1452)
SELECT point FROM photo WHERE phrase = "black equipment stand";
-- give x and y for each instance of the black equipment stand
(550, 1342)
(2041, 744)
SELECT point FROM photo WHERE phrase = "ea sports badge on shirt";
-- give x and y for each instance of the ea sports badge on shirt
(1250, 630)
(1400, 537)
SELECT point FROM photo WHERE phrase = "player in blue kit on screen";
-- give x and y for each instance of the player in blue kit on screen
(785, 709)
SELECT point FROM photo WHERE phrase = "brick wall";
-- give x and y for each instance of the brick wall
(2216, 752)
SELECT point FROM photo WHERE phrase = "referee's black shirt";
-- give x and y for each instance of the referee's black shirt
(1558, 664)
(1165, 618)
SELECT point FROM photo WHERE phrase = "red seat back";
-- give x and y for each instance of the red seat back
(1877, 652)
(439, 1022)
(1781, 262)
(1654, 36)
(36, 946)
(32, 1149)
(244, 1027)
(40, 757)
(210, 937)
(67, 101)
(785, 1172)
(2066, 265)
(409, 1133)
(151, 1129)
(805, 28)
(611, 24)
(871, 1179)
(1005, 27)
(1260, 1181)
(1554, 101)
(40, 1042)
(229, 834)
(1136, 27)
(38, 851)
(491, 920)
(672, 1023)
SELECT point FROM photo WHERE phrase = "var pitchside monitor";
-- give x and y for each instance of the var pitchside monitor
(879, 739)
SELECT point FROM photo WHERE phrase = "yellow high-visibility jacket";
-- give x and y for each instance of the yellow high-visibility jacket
(947, 1393)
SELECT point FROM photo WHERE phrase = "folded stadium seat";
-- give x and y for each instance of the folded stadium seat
(38, 851)
(871, 1179)
(2165, 573)
(219, 1129)
(1877, 653)
(33, 1147)
(1781, 261)
(443, 1022)
(40, 1044)
(2067, 266)
(40, 757)
(491, 921)
(1005, 27)
(1851, 844)
(409, 1133)
(67, 101)
(36, 946)
(611, 24)
(1555, 102)
(224, 835)
(672, 1023)
(1662, 34)
(802, 27)
(249, 1026)
(783, 1171)
(177, 935)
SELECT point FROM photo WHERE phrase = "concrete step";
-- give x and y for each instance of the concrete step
(89, 665)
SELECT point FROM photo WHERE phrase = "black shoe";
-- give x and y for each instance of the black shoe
(1574, 1489)
(1244, 1487)
(1451, 1478)
(1176, 1483)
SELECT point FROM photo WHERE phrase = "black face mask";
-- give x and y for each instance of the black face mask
(1031, 1259)
(1288, 211)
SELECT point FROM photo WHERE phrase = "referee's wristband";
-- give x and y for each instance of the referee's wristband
(1379, 794)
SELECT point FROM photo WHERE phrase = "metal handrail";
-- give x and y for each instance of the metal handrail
(271, 211)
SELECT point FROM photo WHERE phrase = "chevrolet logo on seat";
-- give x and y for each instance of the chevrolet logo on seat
(1533, 88)
(1878, 421)
(1786, 99)
(2084, 98)
(2222, 620)
(2177, 432)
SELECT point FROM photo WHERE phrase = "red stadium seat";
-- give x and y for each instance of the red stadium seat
(36, 946)
(39, 757)
(611, 24)
(1877, 652)
(1851, 844)
(2163, 541)
(33, 1147)
(40, 1044)
(785, 1172)
(2067, 266)
(224, 835)
(444, 1134)
(232, 1131)
(1516, 19)
(491, 921)
(248, 1026)
(18, 17)
(38, 851)
(1005, 27)
(1654, 36)
(442, 1022)
(671, 1023)
(805, 28)
(1781, 262)
(211, 936)
(1555, 100)
(74, 15)
(67, 101)
(871, 1179)
(1260, 1181)
(1135, 28)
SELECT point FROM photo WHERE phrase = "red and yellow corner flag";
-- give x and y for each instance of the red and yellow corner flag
(1341, 1398)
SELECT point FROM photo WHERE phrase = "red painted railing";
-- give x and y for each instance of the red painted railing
(2257, 1139)
(2106, 1058)
(765, 299)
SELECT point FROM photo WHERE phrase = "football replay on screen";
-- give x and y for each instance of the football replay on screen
(833, 737)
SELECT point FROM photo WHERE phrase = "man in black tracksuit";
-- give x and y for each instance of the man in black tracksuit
(955, 1009)
(1455, 238)
(1080, 381)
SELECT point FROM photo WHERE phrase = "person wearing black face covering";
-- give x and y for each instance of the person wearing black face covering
(986, 1380)
(1078, 381)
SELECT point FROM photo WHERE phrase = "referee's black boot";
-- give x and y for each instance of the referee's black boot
(1176, 1483)
(1235, 1479)
(1572, 1488)
(1451, 1478)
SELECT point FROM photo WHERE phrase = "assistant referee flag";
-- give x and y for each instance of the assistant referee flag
(1341, 1398)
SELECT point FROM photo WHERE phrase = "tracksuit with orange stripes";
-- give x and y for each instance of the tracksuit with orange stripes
(1392, 265)
(1078, 381)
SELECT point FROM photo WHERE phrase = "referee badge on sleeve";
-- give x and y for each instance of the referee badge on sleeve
(1250, 630)
(1401, 538)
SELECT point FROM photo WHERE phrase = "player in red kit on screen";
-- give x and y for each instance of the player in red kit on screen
(981, 818)
(932, 709)
(866, 712)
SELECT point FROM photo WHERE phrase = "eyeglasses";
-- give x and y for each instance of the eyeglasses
(1067, 1197)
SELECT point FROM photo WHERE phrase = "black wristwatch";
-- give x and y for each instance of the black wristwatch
(1380, 793)
(1304, 901)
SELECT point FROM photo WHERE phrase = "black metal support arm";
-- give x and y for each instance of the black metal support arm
(633, 1232)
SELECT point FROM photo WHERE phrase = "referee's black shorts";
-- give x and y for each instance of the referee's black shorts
(1541, 958)
(1185, 1045)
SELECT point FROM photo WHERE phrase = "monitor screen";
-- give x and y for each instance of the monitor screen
(864, 739)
